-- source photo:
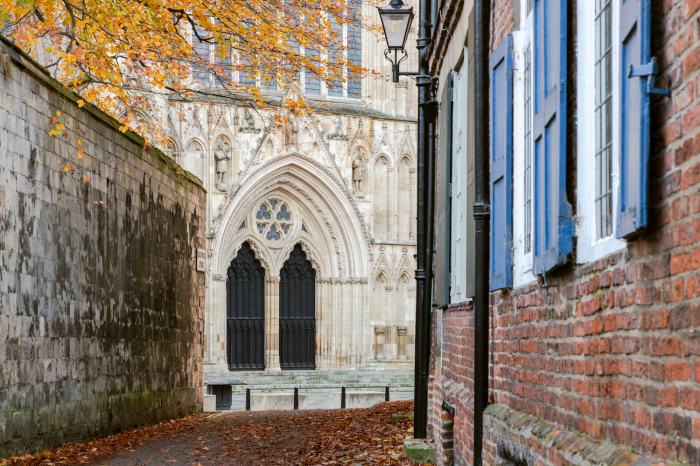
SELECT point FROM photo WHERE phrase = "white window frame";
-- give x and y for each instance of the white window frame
(458, 220)
(588, 247)
(522, 261)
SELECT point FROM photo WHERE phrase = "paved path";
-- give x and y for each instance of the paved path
(276, 438)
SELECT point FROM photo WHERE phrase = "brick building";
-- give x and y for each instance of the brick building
(595, 211)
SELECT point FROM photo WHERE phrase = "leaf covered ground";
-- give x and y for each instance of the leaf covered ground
(313, 437)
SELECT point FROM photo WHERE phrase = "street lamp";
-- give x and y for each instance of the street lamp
(396, 20)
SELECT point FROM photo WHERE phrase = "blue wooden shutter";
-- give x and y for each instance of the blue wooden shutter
(501, 163)
(635, 32)
(553, 222)
(442, 296)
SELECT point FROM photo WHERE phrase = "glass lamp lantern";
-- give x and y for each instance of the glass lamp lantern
(396, 21)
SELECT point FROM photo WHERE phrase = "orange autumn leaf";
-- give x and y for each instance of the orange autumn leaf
(85, 178)
(118, 54)
(67, 168)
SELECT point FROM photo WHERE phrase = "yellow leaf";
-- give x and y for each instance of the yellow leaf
(54, 132)
(81, 103)
(80, 142)
(58, 113)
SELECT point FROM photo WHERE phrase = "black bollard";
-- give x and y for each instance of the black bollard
(386, 394)
(247, 399)
(342, 398)
(296, 398)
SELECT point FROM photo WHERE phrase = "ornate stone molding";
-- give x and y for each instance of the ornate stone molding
(332, 280)
(256, 249)
(310, 256)
(401, 330)
(272, 278)
(348, 194)
(379, 330)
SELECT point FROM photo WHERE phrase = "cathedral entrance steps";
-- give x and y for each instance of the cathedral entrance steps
(315, 381)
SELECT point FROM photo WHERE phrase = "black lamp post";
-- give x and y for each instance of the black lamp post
(396, 20)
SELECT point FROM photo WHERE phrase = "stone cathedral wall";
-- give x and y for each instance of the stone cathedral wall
(101, 309)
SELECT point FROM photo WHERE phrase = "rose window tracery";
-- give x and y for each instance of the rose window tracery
(273, 220)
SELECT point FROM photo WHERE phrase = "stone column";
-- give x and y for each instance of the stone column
(378, 342)
(400, 103)
(401, 331)
(272, 323)
(215, 325)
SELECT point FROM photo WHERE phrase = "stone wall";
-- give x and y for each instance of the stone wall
(101, 309)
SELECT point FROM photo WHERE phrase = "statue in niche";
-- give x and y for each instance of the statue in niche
(358, 173)
(248, 122)
(338, 132)
(291, 132)
(222, 156)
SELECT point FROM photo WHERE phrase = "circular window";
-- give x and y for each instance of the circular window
(273, 220)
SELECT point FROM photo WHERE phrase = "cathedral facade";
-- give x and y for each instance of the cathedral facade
(311, 227)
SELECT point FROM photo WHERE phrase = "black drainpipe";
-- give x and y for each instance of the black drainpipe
(482, 214)
(424, 226)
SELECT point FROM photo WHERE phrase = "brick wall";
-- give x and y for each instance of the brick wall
(101, 310)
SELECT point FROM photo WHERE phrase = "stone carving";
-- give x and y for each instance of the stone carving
(216, 222)
(379, 342)
(258, 254)
(273, 220)
(338, 131)
(222, 156)
(401, 331)
(358, 173)
(291, 133)
(248, 122)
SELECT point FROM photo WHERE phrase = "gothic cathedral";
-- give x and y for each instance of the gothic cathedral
(311, 228)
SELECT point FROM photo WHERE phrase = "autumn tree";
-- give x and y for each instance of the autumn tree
(123, 55)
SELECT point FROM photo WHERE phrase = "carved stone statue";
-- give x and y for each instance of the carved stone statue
(358, 172)
(248, 122)
(222, 156)
(337, 132)
(291, 130)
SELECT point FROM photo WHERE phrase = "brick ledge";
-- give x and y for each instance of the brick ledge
(575, 449)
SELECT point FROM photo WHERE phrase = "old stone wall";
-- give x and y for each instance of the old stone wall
(101, 307)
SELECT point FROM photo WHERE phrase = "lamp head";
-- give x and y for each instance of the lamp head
(396, 20)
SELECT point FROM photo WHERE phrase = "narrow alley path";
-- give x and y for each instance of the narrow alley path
(333, 437)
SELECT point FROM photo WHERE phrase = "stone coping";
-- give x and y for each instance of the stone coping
(576, 449)
(34, 68)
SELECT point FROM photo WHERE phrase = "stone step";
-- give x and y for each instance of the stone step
(240, 389)
(315, 381)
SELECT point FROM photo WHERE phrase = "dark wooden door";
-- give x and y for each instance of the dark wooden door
(297, 312)
(245, 312)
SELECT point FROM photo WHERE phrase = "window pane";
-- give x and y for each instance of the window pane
(603, 119)
(528, 148)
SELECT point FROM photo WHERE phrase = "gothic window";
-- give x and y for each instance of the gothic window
(194, 159)
(273, 219)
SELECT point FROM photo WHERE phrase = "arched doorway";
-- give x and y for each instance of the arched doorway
(245, 312)
(297, 312)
